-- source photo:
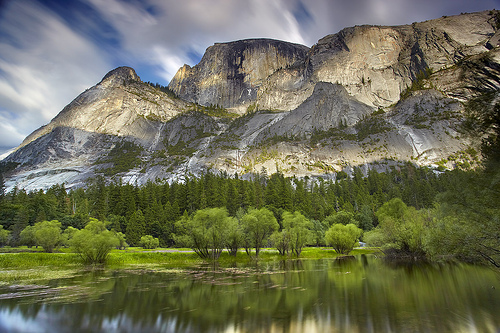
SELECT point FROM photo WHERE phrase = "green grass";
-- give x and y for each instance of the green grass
(150, 258)
(25, 268)
(32, 260)
(28, 268)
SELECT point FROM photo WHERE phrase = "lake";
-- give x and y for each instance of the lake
(364, 294)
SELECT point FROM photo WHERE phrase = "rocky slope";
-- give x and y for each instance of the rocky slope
(121, 104)
(366, 96)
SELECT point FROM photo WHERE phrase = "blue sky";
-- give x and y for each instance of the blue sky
(52, 50)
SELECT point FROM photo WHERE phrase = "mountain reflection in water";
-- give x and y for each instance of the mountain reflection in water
(364, 294)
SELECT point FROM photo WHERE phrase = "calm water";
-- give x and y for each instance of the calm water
(360, 295)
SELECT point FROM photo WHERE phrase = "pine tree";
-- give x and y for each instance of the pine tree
(136, 228)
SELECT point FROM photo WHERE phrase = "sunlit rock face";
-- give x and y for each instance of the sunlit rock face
(230, 74)
(366, 96)
(375, 64)
(121, 104)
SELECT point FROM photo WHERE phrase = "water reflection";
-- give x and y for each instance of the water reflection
(358, 295)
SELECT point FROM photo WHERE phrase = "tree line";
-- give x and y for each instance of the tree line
(154, 208)
(408, 211)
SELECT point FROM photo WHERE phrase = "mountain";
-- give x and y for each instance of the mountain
(368, 96)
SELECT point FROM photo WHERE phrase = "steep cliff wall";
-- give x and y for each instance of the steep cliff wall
(230, 74)
(365, 96)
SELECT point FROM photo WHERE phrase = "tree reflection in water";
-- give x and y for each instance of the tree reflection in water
(362, 294)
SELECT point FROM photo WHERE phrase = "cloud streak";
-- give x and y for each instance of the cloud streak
(43, 65)
(52, 50)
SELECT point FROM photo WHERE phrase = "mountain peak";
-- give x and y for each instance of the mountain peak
(119, 76)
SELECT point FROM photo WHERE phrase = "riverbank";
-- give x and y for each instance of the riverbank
(17, 266)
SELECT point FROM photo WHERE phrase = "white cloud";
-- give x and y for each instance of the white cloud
(9, 134)
(168, 62)
(162, 38)
(43, 66)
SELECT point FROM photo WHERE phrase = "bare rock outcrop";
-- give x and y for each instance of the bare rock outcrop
(376, 63)
(121, 104)
(230, 74)
(328, 106)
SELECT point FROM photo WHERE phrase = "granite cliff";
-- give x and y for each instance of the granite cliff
(230, 74)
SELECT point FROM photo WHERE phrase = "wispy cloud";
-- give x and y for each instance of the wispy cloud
(43, 65)
(165, 32)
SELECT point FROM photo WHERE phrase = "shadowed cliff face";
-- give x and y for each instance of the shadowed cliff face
(374, 64)
(230, 74)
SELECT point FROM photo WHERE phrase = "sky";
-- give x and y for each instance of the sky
(52, 50)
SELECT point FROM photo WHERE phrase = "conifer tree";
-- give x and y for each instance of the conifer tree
(136, 228)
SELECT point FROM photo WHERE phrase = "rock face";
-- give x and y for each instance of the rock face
(366, 96)
(375, 64)
(328, 106)
(121, 104)
(230, 74)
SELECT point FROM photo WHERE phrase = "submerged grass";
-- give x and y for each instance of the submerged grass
(148, 258)
(25, 268)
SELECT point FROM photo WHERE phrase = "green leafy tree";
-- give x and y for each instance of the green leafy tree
(343, 238)
(27, 236)
(404, 227)
(298, 227)
(281, 241)
(258, 225)
(234, 238)
(207, 231)
(122, 243)
(4, 236)
(341, 217)
(67, 234)
(48, 234)
(149, 242)
(465, 222)
(374, 237)
(94, 242)
(180, 234)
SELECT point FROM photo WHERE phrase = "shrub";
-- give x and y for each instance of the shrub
(94, 242)
(281, 241)
(404, 227)
(149, 242)
(298, 227)
(258, 225)
(4, 236)
(207, 232)
(48, 234)
(122, 244)
(27, 236)
(343, 238)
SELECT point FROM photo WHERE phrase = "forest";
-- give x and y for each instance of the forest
(411, 210)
